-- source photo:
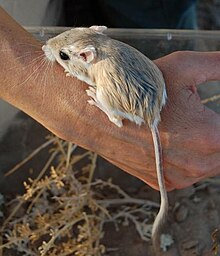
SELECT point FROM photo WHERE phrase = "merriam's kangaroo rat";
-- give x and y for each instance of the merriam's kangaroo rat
(123, 84)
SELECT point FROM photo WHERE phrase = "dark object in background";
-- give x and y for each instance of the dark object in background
(208, 14)
(170, 14)
(79, 13)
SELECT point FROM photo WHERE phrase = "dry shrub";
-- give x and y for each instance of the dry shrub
(65, 210)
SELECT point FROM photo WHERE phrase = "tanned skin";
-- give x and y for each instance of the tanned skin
(189, 131)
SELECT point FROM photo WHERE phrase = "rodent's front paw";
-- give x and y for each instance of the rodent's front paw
(92, 102)
(91, 92)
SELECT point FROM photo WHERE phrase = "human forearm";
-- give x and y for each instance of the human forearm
(24, 82)
(60, 103)
(16, 47)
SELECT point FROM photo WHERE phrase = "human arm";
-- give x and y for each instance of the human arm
(189, 131)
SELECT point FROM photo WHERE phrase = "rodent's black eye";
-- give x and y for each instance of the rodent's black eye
(64, 56)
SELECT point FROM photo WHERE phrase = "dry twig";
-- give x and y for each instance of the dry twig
(66, 210)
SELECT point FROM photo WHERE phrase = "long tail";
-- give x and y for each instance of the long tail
(163, 212)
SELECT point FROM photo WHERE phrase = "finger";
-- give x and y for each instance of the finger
(198, 67)
(154, 184)
(178, 180)
(213, 166)
(147, 175)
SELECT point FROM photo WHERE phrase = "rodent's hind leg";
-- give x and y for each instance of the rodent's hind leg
(117, 120)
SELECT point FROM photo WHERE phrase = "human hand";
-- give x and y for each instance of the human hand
(192, 150)
(189, 131)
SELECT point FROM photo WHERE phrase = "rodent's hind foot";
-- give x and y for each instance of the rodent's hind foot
(116, 120)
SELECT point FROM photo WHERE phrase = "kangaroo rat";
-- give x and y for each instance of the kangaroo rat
(124, 84)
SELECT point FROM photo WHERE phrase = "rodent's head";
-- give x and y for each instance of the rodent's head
(75, 48)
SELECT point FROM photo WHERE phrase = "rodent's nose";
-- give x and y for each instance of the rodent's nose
(44, 47)
(48, 53)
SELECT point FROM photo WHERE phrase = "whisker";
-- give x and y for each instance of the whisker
(32, 73)
(5, 50)
(32, 62)
(28, 44)
(44, 80)
(9, 50)
(40, 56)
(23, 56)
(39, 73)
(53, 77)
(44, 70)
(42, 66)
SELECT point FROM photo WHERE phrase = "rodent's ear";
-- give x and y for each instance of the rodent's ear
(98, 29)
(88, 54)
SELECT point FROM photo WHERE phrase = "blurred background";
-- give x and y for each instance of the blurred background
(157, 28)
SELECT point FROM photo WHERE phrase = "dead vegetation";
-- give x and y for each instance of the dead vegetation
(63, 212)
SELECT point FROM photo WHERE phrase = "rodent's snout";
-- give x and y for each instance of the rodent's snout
(48, 53)
(43, 47)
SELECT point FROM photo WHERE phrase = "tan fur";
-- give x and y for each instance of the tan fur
(125, 84)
